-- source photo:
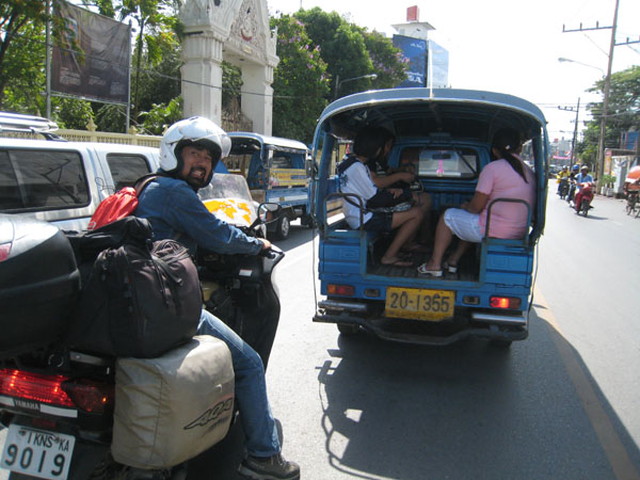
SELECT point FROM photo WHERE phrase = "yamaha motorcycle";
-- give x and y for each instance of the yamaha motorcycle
(58, 405)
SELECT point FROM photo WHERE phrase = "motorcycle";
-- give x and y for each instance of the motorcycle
(631, 189)
(632, 206)
(586, 197)
(571, 193)
(239, 289)
(59, 405)
(563, 188)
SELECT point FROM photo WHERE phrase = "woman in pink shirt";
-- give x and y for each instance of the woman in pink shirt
(506, 177)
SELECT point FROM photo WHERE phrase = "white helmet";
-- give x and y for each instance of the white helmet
(198, 130)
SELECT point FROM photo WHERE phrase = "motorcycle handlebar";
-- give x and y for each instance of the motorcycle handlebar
(272, 253)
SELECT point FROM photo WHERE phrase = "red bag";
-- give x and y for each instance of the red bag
(120, 204)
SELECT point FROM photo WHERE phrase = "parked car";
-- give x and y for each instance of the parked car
(275, 169)
(63, 182)
(449, 133)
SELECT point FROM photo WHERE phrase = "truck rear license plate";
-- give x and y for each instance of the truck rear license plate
(40, 453)
(419, 304)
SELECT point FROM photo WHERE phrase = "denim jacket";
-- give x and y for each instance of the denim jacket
(176, 212)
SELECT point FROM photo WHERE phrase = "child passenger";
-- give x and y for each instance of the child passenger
(355, 178)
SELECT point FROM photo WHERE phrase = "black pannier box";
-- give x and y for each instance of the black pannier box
(39, 283)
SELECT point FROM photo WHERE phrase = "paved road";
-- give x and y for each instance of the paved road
(561, 405)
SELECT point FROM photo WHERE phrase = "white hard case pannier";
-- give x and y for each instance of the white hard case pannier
(170, 409)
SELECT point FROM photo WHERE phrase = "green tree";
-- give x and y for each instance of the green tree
(22, 68)
(231, 85)
(300, 85)
(161, 116)
(387, 60)
(22, 24)
(71, 112)
(22, 73)
(351, 51)
(623, 113)
(342, 47)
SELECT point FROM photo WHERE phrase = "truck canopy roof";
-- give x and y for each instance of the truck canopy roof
(409, 112)
(248, 138)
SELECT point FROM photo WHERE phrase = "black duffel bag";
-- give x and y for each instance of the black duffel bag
(139, 298)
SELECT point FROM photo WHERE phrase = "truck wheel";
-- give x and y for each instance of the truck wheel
(306, 221)
(348, 329)
(283, 226)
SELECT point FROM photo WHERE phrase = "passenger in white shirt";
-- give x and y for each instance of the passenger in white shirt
(355, 179)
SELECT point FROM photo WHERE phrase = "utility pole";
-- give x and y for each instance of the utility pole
(607, 86)
(575, 130)
(605, 100)
(575, 135)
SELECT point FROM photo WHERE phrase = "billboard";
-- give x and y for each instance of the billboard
(414, 52)
(438, 66)
(91, 55)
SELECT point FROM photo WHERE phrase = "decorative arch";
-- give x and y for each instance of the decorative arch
(238, 32)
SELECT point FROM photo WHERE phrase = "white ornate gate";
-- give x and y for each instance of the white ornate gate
(236, 31)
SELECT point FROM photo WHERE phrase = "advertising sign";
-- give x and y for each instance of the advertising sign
(438, 66)
(414, 51)
(91, 55)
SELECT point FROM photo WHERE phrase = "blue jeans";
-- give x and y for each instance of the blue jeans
(251, 389)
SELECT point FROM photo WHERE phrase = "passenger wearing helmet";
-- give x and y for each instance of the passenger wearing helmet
(572, 183)
(189, 152)
(582, 179)
(563, 177)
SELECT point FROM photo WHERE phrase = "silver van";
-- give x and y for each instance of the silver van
(63, 182)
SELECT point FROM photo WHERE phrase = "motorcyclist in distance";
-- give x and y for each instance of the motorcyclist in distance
(563, 175)
(572, 184)
(582, 180)
(189, 152)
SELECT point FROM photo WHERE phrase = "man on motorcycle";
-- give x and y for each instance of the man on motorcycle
(572, 184)
(582, 180)
(189, 152)
(563, 176)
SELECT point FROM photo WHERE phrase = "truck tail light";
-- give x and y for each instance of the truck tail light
(506, 303)
(346, 290)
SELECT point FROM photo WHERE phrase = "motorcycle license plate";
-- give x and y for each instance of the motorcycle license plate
(40, 453)
(419, 304)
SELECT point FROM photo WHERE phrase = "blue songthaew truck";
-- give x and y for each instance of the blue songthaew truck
(276, 171)
(446, 134)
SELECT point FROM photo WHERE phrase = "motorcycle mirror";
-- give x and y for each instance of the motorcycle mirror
(267, 213)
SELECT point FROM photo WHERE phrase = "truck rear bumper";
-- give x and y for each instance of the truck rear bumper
(510, 327)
